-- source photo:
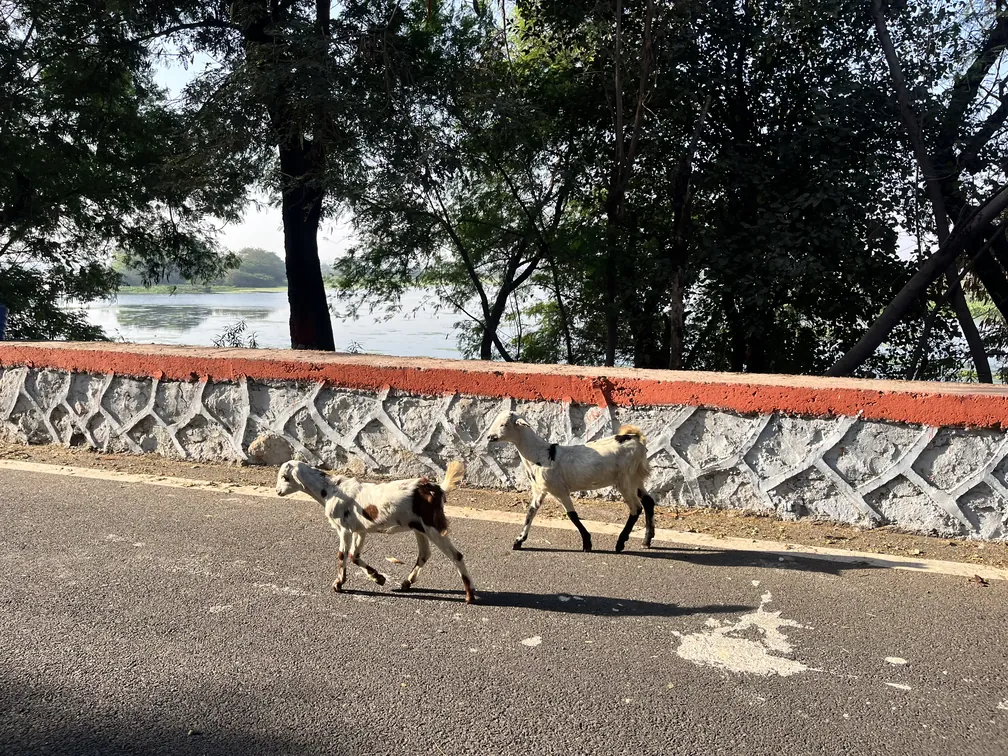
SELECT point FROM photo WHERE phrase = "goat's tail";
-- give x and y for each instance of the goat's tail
(632, 430)
(453, 475)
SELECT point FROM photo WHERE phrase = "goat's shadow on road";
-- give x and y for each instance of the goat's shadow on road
(716, 558)
(562, 603)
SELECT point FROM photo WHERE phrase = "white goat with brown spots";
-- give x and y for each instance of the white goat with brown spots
(355, 509)
(619, 461)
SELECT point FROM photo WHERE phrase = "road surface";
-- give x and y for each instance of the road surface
(138, 619)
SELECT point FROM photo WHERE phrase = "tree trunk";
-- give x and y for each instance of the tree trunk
(611, 291)
(677, 315)
(310, 324)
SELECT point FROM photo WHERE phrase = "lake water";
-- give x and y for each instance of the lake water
(197, 319)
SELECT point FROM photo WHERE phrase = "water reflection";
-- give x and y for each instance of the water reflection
(162, 318)
(197, 319)
(182, 318)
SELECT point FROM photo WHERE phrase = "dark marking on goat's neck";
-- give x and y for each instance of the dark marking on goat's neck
(371, 512)
(622, 439)
(323, 493)
(428, 505)
(552, 452)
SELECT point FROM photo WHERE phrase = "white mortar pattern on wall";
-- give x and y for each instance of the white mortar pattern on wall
(374, 408)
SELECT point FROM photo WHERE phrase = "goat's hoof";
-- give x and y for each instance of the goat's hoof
(337, 586)
(620, 545)
(586, 546)
(470, 597)
(378, 578)
(405, 585)
(517, 545)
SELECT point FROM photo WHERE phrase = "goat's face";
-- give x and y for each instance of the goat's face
(505, 426)
(287, 478)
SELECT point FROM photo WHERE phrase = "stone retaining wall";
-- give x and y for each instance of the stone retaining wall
(927, 457)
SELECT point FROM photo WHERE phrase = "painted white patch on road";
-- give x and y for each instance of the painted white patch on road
(1003, 706)
(220, 608)
(899, 686)
(895, 660)
(724, 647)
(532, 642)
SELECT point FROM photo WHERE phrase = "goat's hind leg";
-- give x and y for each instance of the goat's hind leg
(423, 554)
(534, 503)
(371, 572)
(445, 545)
(649, 506)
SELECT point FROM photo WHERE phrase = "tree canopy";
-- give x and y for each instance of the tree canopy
(783, 186)
(95, 161)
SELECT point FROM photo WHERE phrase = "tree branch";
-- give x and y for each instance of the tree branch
(209, 23)
(969, 158)
(918, 284)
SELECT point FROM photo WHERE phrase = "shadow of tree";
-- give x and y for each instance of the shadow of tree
(55, 736)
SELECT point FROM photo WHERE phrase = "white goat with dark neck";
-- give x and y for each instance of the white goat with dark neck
(619, 461)
(355, 509)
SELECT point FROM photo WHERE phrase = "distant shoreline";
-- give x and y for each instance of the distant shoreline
(186, 289)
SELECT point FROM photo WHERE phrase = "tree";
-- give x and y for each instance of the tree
(274, 101)
(94, 161)
(967, 116)
(469, 180)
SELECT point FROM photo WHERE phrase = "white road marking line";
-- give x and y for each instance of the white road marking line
(772, 548)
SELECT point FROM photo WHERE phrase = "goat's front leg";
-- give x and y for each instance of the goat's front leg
(533, 507)
(371, 572)
(346, 538)
(634, 504)
(568, 505)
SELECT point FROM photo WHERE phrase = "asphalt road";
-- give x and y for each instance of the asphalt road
(138, 619)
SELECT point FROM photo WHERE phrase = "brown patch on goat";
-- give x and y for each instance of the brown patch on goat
(428, 505)
(371, 512)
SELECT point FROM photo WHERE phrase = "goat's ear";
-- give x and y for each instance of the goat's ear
(521, 421)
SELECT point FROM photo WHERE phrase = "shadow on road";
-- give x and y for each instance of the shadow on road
(717, 558)
(51, 736)
(565, 603)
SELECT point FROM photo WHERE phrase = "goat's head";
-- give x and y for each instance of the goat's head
(505, 426)
(297, 476)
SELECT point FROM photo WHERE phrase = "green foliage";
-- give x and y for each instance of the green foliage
(258, 267)
(95, 160)
(236, 336)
